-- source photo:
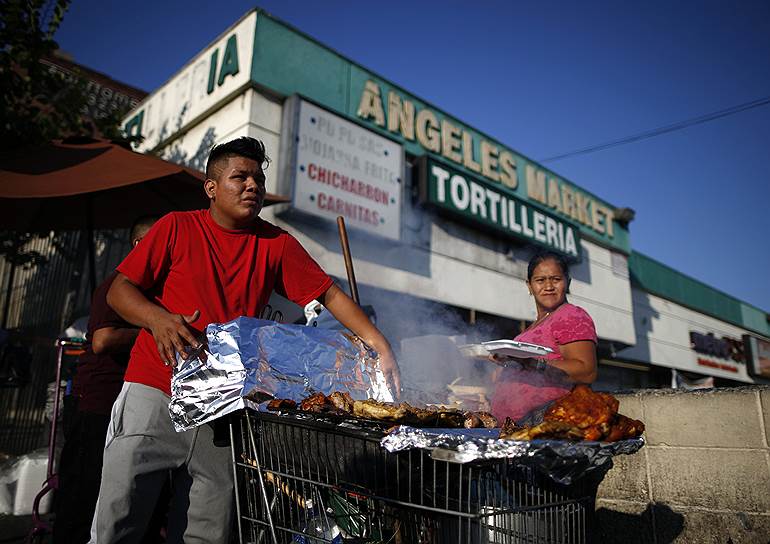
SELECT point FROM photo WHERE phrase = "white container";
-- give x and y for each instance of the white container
(20, 483)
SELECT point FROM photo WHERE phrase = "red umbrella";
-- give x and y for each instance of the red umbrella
(93, 184)
(69, 184)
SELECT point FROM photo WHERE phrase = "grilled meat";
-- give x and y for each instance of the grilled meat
(545, 430)
(372, 409)
(488, 420)
(277, 405)
(472, 421)
(584, 408)
(317, 402)
(625, 427)
(595, 414)
(342, 401)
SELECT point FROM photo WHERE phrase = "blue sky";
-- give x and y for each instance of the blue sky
(544, 78)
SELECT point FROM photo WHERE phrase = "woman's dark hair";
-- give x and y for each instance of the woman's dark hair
(245, 146)
(541, 256)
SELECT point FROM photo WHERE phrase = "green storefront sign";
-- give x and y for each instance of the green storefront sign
(482, 203)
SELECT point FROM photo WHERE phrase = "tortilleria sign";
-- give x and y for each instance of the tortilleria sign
(480, 202)
(437, 134)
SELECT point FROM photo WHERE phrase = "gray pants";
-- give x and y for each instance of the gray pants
(142, 447)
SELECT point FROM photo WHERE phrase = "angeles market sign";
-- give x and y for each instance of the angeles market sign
(341, 168)
(497, 165)
(219, 70)
(482, 203)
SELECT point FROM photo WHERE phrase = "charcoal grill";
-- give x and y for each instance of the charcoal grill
(298, 473)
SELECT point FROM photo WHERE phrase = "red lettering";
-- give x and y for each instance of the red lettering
(312, 170)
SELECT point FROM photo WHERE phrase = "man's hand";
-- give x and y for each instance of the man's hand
(352, 317)
(172, 334)
(392, 373)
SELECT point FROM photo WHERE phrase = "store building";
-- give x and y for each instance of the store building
(442, 217)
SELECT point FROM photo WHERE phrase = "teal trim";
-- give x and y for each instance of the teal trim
(290, 63)
(287, 62)
(661, 280)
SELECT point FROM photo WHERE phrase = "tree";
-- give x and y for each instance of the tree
(37, 104)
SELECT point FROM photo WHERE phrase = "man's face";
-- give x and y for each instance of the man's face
(237, 195)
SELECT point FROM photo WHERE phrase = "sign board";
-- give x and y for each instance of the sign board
(481, 203)
(341, 168)
(757, 356)
(712, 353)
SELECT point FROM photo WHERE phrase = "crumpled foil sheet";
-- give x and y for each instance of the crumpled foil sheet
(561, 460)
(249, 360)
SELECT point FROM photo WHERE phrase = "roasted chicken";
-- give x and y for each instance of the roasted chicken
(276, 405)
(591, 412)
(583, 414)
(548, 429)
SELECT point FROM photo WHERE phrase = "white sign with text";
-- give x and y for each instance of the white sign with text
(344, 169)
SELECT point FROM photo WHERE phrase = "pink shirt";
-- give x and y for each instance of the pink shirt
(520, 391)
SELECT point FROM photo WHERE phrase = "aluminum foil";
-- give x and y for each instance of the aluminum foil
(248, 360)
(561, 460)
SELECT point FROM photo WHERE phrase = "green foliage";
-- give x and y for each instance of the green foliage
(37, 103)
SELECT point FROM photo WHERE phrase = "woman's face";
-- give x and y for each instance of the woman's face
(548, 285)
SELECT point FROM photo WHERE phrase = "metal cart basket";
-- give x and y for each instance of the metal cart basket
(314, 478)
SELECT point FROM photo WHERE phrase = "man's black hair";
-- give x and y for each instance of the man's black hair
(143, 222)
(245, 146)
(541, 256)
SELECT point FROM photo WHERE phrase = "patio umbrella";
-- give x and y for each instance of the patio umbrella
(93, 184)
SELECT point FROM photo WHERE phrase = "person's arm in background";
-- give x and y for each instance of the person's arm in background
(169, 330)
(113, 339)
(347, 312)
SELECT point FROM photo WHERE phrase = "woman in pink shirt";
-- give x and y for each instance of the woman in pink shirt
(567, 329)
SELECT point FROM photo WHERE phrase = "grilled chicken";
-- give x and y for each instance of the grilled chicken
(488, 420)
(277, 405)
(624, 427)
(342, 401)
(545, 430)
(593, 412)
(317, 402)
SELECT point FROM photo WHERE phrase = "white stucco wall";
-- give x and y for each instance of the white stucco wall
(663, 337)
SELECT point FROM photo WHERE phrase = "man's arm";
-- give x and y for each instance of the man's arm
(352, 316)
(113, 339)
(169, 330)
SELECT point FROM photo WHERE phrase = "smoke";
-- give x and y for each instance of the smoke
(425, 336)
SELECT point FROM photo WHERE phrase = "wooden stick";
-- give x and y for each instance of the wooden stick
(348, 259)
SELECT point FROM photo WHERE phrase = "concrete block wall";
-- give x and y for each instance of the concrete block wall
(703, 475)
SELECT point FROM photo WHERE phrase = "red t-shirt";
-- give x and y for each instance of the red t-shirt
(98, 378)
(187, 262)
(520, 391)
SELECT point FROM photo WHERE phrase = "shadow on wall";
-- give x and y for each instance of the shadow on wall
(197, 161)
(626, 528)
(644, 315)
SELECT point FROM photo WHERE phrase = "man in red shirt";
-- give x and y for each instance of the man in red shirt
(193, 269)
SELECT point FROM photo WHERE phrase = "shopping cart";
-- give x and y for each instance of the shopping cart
(311, 478)
(64, 348)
